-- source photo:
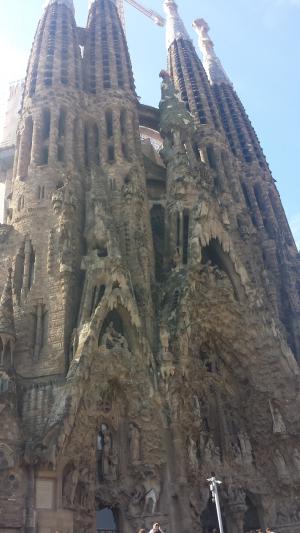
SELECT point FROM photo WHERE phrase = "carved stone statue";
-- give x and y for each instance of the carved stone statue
(112, 338)
(70, 482)
(106, 451)
(246, 447)
(279, 426)
(296, 459)
(192, 454)
(134, 443)
(151, 502)
(135, 504)
(280, 464)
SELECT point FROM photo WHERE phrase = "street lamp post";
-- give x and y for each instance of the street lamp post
(215, 496)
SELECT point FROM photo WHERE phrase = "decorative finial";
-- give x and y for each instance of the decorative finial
(211, 63)
(175, 27)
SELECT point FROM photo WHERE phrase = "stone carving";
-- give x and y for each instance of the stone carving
(108, 458)
(70, 482)
(212, 453)
(246, 447)
(6, 457)
(280, 464)
(236, 495)
(279, 426)
(288, 513)
(296, 459)
(134, 443)
(151, 502)
(236, 452)
(111, 338)
(136, 501)
(192, 454)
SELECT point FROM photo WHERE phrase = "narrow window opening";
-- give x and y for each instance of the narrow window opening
(62, 124)
(124, 150)
(178, 231)
(96, 144)
(41, 192)
(110, 154)
(196, 152)
(45, 155)
(60, 153)
(185, 247)
(123, 122)
(109, 124)
(31, 269)
(211, 157)
(86, 147)
(46, 124)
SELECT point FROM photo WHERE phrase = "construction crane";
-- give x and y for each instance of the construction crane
(157, 19)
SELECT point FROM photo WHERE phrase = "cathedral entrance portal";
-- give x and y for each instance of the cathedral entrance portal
(209, 519)
(106, 521)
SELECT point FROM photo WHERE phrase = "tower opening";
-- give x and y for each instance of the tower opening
(185, 244)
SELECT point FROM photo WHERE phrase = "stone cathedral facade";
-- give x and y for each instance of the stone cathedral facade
(149, 319)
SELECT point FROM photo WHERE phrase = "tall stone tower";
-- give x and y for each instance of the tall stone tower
(149, 319)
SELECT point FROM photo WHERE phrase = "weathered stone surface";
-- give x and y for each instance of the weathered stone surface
(150, 331)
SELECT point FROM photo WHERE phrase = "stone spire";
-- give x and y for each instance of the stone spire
(68, 3)
(175, 27)
(106, 59)
(187, 71)
(212, 64)
(7, 323)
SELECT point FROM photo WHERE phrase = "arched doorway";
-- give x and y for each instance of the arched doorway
(106, 521)
(209, 518)
(251, 520)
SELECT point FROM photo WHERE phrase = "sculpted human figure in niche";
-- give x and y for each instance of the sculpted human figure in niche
(279, 426)
(246, 447)
(112, 338)
(134, 443)
(107, 450)
(280, 464)
(151, 502)
(70, 482)
(192, 454)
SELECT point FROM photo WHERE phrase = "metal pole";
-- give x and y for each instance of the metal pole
(215, 495)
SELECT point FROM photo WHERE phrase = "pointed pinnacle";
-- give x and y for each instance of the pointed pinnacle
(175, 26)
(211, 62)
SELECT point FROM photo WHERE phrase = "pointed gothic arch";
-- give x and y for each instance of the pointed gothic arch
(214, 253)
(118, 323)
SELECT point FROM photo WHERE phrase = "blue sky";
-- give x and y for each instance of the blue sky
(257, 41)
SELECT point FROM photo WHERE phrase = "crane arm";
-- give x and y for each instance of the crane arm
(160, 21)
